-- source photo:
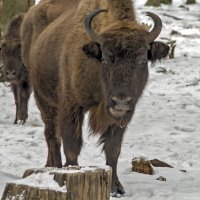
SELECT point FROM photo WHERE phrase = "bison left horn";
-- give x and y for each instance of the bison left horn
(88, 25)
(154, 33)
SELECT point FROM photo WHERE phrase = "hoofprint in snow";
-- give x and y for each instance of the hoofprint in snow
(165, 125)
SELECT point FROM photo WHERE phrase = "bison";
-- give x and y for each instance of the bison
(14, 69)
(95, 60)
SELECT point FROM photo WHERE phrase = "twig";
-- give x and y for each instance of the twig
(173, 17)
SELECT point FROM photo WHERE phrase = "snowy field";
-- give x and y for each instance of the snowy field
(166, 124)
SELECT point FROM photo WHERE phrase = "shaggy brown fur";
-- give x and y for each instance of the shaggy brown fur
(73, 73)
(36, 20)
(14, 69)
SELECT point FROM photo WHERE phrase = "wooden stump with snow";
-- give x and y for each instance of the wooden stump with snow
(69, 183)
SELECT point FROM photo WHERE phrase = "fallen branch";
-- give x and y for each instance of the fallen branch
(171, 16)
(145, 166)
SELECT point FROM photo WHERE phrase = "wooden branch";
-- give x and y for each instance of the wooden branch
(159, 163)
(145, 166)
(171, 16)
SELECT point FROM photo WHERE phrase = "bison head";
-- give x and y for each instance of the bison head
(11, 56)
(124, 54)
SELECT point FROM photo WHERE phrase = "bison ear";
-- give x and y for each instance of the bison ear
(92, 50)
(157, 51)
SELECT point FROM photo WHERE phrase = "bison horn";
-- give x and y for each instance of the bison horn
(157, 27)
(88, 25)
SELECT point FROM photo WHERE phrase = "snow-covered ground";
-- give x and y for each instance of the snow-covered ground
(165, 126)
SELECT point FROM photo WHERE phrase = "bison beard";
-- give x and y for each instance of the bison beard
(75, 70)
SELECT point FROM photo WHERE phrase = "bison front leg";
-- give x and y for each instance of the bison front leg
(24, 95)
(70, 122)
(16, 96)
(111, 141)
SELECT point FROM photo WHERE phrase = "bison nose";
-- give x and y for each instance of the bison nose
(11, 74)
(121, 103)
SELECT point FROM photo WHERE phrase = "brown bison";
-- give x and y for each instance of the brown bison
(14, 69)
(100, 66)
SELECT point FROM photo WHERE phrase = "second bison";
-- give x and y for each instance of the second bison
(13, 67)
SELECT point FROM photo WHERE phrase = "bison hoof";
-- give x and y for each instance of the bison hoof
(73, 163)
(117, 190)
(50, 164)
(22, 116)
(20, 122)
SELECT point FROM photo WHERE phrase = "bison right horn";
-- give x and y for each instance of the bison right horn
(154, 33)
(88, 25)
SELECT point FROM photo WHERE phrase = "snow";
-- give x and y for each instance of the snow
(37, 1)
(43, 181)
(165, 126)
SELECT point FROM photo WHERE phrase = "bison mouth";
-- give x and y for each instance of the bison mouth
(118, 113)
(13, 81)
(120, 116)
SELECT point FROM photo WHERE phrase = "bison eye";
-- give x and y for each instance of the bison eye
(104, 61)
(107, 58)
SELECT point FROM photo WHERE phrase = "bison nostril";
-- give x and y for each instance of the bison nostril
(112, 102)
(14, 73)
(120, 101)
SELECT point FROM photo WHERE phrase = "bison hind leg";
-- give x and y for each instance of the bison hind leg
(53, 140)
(70, 119)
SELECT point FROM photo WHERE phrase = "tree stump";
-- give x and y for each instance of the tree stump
(190, 1)
(69, 183)
(166, 1)
(155, 3)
